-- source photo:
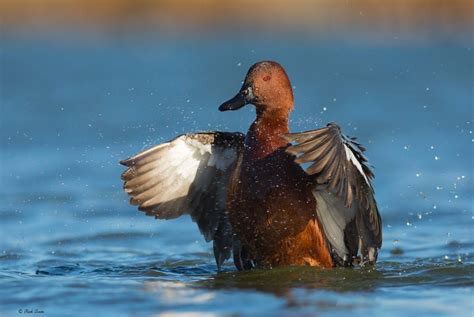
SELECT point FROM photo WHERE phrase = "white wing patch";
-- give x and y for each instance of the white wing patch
(175, 171)
(220, 158)
(181, 166)
(351, 157)
(203, 148)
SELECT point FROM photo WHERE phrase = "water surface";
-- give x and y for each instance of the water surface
(71, 109)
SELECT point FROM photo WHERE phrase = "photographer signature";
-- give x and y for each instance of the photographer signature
(30, 311)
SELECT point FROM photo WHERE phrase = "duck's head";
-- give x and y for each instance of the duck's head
(267, 87)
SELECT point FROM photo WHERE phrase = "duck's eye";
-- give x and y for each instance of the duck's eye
(245, 92)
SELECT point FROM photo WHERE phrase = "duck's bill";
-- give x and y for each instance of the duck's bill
(233, 104)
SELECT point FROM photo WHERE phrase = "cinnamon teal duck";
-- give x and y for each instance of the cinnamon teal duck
(250, 193)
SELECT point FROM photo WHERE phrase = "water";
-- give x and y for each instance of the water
(73, 105)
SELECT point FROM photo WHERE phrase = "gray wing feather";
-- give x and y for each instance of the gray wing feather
(187, 175)
(334, 222)
(343, 190)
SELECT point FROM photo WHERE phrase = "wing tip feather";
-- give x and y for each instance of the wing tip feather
(126, 162)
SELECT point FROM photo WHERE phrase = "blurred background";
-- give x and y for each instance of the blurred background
(85, 84)
(320, 16)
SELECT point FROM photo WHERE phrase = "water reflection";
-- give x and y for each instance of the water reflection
(387, 274)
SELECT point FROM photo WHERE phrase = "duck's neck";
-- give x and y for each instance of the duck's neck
(265, 133)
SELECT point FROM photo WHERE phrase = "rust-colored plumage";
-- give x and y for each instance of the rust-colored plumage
(251, 196)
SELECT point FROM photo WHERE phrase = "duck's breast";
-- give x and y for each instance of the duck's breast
(269, 201)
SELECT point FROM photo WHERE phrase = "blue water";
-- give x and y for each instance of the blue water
(74, 104)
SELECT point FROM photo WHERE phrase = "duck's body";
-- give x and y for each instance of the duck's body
(251, 195)
(270, 204)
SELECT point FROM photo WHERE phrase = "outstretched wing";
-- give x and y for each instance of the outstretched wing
(187, 175)
(343, 190)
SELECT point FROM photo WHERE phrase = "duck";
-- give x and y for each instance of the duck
(269, 197)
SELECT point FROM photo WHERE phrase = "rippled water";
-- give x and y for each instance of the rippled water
(71, 109)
